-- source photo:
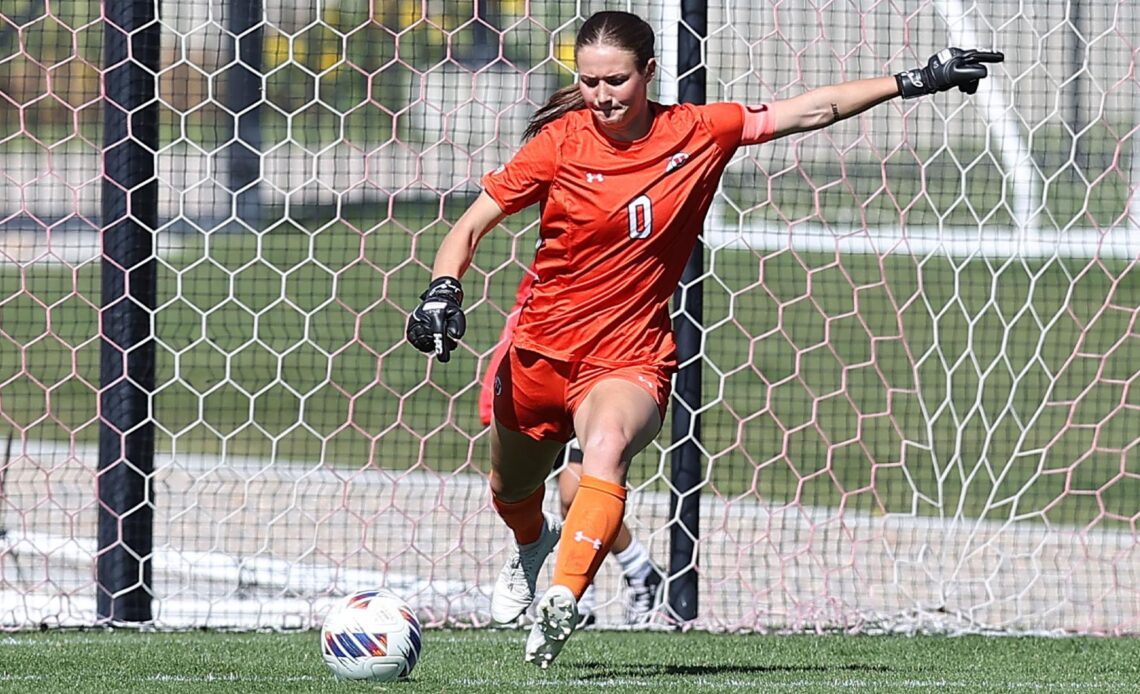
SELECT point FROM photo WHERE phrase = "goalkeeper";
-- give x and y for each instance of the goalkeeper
(643, 580)
(623, 185)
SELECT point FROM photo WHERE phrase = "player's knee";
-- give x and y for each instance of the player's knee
(607, 446)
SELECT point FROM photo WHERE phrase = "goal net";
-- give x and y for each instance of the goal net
(920, 331)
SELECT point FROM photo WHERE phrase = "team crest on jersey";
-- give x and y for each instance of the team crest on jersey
(676, 161)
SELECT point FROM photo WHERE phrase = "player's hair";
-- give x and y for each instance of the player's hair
(618, 29)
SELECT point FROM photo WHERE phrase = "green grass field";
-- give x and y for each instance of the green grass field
(483, 660)
(881, 383)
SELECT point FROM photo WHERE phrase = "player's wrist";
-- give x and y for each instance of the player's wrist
(914, 83)
(444, 288)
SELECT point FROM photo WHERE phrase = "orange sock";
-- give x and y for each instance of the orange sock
(524, 517)
(588, 532)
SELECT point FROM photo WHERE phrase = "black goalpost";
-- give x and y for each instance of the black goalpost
(130, 218)
(686, 466)
(242, 92)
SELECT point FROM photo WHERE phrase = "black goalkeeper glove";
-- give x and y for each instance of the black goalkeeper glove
(438, 322)
(949, 68)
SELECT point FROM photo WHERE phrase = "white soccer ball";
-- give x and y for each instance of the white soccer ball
(371, 635)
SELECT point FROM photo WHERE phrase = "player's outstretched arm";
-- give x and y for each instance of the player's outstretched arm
(437, 324)
(821, 107)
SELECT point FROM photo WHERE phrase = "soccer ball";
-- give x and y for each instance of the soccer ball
(371, 635)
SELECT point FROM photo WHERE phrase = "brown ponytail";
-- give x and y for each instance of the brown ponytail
(561, 102)
(619, 29)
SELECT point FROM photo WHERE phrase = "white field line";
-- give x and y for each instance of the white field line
(997, 243)
(72, 248)
(237, 468)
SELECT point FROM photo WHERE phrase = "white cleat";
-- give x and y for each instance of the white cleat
(514, 589)
(557, 617)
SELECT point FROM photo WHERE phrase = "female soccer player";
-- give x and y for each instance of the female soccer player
(644, 587)
(623, 185)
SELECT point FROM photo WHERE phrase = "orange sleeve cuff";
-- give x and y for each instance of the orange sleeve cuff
(759, 125)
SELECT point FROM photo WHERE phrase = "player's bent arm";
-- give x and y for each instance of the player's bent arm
(458, 248)
(821, 107)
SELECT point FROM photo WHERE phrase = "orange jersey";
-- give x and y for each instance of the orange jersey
(618, 223)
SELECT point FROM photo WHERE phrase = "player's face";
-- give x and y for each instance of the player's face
(614, 90)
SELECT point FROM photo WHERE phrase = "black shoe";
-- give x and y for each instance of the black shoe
(643, 596)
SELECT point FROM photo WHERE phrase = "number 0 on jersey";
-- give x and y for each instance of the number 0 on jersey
(640, 217)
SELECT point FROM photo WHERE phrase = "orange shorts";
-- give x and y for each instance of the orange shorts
(537, 396)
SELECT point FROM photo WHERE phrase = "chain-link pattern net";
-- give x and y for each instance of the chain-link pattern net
(919, 407)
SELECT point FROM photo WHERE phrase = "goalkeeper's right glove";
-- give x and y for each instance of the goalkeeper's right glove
(438, 322)
(949, 68)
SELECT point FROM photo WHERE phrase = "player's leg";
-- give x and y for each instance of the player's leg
(614, 421)
(519, 467)
(526, 435)
(568, 479)
(568, 476)
(643, 580)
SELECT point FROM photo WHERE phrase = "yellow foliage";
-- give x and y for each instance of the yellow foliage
(329, 58)
(564, 50)
(276, 49)
(410, 12)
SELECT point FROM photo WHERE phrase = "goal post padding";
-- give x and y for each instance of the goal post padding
(124, 480)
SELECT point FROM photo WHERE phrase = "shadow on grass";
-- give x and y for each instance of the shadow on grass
(595, 670)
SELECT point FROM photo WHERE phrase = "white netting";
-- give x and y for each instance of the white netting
(921, 324)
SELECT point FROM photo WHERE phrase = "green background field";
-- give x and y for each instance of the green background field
(485, 660)
(933, 385)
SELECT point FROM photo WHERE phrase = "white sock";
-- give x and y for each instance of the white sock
(588, 601)
(634, 560)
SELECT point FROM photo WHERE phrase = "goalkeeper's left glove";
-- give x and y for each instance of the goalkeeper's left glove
(949, 68)
(438, 322)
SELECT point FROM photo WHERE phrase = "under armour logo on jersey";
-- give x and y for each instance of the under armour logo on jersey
(594, 178)
(676, 161)
(581, 537)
